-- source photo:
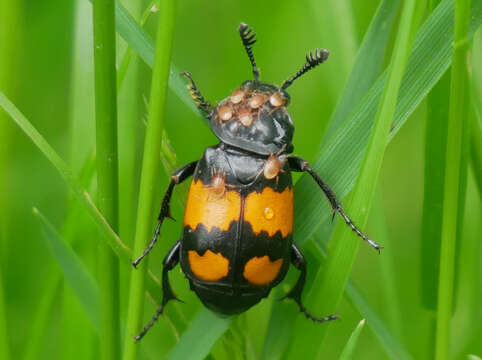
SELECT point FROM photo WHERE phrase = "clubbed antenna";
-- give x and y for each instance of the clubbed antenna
(312, 60)
(248, 38)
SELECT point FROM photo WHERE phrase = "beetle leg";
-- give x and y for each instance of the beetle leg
(178, 177)
(299, 164)
(170, 261)
(298, 260)
(201, 103)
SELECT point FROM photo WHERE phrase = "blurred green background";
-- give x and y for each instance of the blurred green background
(50, 79)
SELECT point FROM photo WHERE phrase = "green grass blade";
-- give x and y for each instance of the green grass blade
(338, 159)
(387, 267)
(367, 65)
(200, 337)
(435, 146)
(107, 171)
(109, 236)
(77, 275)
(133, 34)
(457, 118)
(150, 171)
(476, 148)
(325, 298)
(349, 349)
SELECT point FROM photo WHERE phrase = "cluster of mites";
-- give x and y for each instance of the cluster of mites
(243, 106)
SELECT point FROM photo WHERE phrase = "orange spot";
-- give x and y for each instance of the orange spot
(280, 206)
(205, 206)
(261, 270)
(210, 266)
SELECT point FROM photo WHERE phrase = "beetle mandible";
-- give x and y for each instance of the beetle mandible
(237, 239)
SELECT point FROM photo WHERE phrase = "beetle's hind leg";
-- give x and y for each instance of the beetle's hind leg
(201, 103)
(298, 260)
(170, 261)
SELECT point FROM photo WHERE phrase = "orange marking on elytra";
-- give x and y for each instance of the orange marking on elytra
(270, 211)
(205, 206)
(209, 267)
(261, 270)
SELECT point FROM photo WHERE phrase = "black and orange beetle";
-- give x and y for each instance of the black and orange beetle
(237, 239)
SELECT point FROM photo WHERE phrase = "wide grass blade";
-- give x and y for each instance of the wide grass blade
(365, 72)
(77, 275)
(367, 65)
(349, 349)
(150, 171)
(338, 159)
(325, 298)
(458, 119)
(200, 337)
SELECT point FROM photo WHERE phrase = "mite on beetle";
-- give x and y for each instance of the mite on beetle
(237, 238)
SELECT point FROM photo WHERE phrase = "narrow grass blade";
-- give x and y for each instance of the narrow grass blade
(150, 170)
(75, 272)
(387, 267)
(435, 147)
(457, 118)
(107, 170)
(325, 298)
(202, 334)
(109, 236)
(476, 148)
(367, 65)
(132, 33)
(349, 349)
(338, 159)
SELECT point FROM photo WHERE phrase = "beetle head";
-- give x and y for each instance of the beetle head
(254, 116)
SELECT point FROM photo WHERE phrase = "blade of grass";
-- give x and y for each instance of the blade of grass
(132, 33)
(365, 71)
(338, 159)
(367, 65)
(75, 272)
(476, 147)
(109, 236)
(349, 349)
(107, 170)
(457, 117)
(386, 269)
(130, 54)
(325, 298)
(150, 170)
(434, 162)
(393, 347)
(201, 335)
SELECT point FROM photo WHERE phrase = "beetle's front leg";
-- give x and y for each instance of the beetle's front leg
(299, 164)
(201, 103)
(178, 177)
(170, 261)
(298, 260)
